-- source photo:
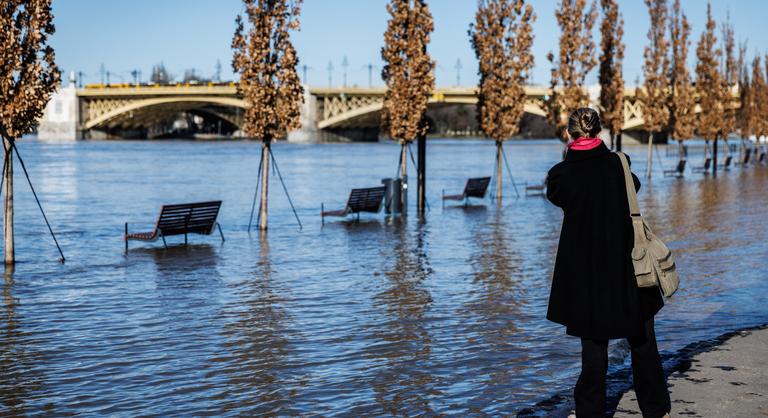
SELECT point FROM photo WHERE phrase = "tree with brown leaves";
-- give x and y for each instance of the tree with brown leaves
(611, 78)
(266, 61)
(408, 74)
(759, 114)
(682, 103)
(502, 37)
(653, 94)
(745, 118)
(28, 77)
(709, 84)
(761, 104)
(575, 60)
(730, 80)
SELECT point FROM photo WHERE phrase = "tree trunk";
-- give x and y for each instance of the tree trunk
(10, 254)
(649, 165)
(680, 150)
(498, 172)
(404, 177)
(264, 184)
(714, 158)
(422, 175)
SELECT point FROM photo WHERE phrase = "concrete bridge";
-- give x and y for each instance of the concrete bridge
(328, 113)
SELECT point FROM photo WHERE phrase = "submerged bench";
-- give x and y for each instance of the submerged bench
(475, 187)
(727, 164)
(747, 155)
(704, 168)
(677, 171)
(535, 189)
(360, 200)
(181, 219)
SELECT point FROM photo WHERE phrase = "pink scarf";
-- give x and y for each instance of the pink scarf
(584, 144)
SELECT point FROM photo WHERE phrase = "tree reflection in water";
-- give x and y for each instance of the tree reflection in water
(18, 379)
(494, 310)
(257, 345)
(402, 346)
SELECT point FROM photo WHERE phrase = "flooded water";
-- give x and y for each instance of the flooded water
(377, 318)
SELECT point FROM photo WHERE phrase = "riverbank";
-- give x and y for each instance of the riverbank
(725, 380)
(723, 376)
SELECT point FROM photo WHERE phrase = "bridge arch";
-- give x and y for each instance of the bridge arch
(368, 111)
(127, 107)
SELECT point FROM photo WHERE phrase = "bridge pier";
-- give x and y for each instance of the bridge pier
(310, 133)
(61, 115)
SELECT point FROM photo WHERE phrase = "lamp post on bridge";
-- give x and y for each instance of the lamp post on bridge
(370, 68)
(345, 65)
(304, 69)
(136, 74)
(458, 67)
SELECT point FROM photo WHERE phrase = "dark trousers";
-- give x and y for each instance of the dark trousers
(647, 376)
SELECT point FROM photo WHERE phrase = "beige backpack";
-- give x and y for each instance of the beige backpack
(651, 258)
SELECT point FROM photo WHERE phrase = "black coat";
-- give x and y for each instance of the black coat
(594, 292)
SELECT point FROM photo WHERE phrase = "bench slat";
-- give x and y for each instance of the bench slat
(178, 219)
(476, 187)
(366, 200)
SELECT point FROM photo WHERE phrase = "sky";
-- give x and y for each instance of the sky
(196, 34)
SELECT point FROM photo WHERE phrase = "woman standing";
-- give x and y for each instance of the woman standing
(594, 291)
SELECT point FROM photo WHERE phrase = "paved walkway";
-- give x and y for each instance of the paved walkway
(731, 381)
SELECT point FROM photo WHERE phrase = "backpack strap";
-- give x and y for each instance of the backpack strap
(634, 208)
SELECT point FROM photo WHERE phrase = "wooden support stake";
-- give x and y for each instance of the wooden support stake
(650, 155)
(264, 185)
(714, 158)
(10, 254)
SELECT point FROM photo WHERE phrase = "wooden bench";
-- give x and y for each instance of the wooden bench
(747, 155)
(360, 200)
(181, 219)
(476, 187)
(535, 189)
(727, 164)
(705, 167)
(677, 171)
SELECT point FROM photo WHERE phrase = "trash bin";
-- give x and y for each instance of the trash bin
(392, 195)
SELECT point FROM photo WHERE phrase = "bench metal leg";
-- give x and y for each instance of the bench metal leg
(125, 237)
(218, 225)
(163, 237)
(185, 238)
(322, 214)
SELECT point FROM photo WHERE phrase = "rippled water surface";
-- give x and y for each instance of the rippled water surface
(377, 318)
